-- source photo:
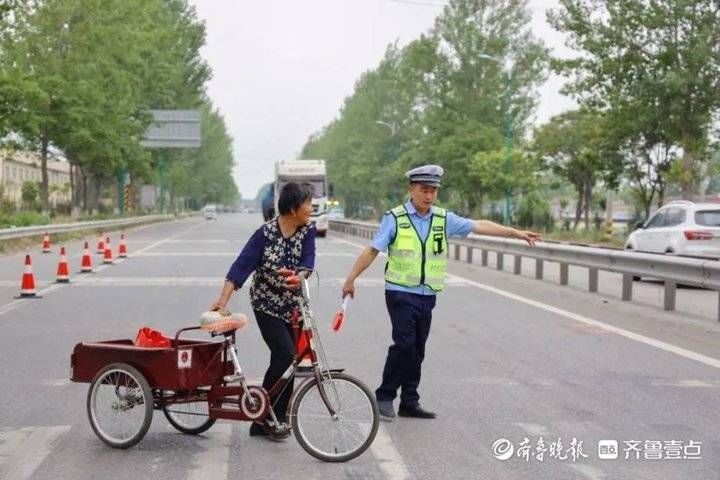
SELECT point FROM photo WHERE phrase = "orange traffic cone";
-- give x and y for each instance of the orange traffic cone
(107, 257)
(101, 245)
(122, 248)
(63, 274)
(46, 243)
(27, 287)
(86, 265)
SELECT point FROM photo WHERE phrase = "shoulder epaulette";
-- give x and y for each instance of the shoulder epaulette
(398, 211)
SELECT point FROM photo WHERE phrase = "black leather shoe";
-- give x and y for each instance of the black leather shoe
(415, 411)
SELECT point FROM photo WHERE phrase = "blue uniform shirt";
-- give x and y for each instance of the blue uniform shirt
(456, 226)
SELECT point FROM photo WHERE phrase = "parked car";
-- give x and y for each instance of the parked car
(681, 228)
(210, 212)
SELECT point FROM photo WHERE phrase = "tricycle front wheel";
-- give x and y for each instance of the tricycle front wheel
(120, 405)
(346, 433)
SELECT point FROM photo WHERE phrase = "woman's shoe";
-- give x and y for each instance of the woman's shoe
(257, 430)
(277, 432)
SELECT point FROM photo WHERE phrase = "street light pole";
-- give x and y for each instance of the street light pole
(392, 151)
(508, 133)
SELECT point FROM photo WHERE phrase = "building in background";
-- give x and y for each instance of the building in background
(18, 166)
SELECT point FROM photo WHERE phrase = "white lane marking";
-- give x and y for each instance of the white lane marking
(56, 383)
(687, 384)
(533, 429)
(213, 281)
(212, 462)
(8, 307)
(389, 459)
(165, 240)
(23, 450)
(667, 347)
(592, 473)
(44, 292)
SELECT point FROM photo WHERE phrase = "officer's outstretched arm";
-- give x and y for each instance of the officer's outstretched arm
(361, 264)
(486, 227)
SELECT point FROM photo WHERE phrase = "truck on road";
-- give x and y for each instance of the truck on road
(306, 171)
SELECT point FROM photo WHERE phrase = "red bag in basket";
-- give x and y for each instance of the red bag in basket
(147, 337)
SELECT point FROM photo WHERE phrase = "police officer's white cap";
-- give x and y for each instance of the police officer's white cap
(427, 175)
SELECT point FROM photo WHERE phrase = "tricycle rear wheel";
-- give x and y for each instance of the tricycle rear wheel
(120, 405)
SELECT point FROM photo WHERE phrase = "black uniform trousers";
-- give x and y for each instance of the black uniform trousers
(411, 315)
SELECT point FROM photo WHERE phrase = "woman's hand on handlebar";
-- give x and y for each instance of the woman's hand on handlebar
(222, 301)
(218, 305)
(291, 280)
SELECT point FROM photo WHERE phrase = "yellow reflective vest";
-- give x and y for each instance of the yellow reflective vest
(412, 262)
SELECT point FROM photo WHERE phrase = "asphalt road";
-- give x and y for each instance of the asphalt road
(508, 358)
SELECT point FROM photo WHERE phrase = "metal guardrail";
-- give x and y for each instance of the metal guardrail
(20, 232)
(671, 270)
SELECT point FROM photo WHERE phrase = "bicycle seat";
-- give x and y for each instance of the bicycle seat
(214, 322)
(224, 326)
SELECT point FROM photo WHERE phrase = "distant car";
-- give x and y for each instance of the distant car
(210, 212)
(336, 213)
(681, 228)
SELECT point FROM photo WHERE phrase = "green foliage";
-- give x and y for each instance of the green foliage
(29, 194)
(533, 211)
(576, 146)
(82, 75)
(652, 66)
(22, 219)
(441, 102)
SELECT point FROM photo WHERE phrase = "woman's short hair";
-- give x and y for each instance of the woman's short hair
(293, 195)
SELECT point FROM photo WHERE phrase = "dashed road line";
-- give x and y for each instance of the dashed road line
(389, 459)
(23, 450)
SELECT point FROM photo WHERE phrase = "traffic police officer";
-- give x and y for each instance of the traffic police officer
(415, 236)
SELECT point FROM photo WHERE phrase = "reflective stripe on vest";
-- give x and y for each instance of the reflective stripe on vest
(412, 263)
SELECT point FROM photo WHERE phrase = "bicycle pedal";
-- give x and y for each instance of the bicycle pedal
(232, 378)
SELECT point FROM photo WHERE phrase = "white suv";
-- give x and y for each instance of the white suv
(680, 227)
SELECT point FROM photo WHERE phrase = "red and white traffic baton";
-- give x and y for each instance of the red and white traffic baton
(340, 315)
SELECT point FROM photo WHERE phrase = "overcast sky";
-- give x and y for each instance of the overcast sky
(281, 68)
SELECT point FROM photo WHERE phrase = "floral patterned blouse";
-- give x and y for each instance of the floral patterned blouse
(265, 253)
